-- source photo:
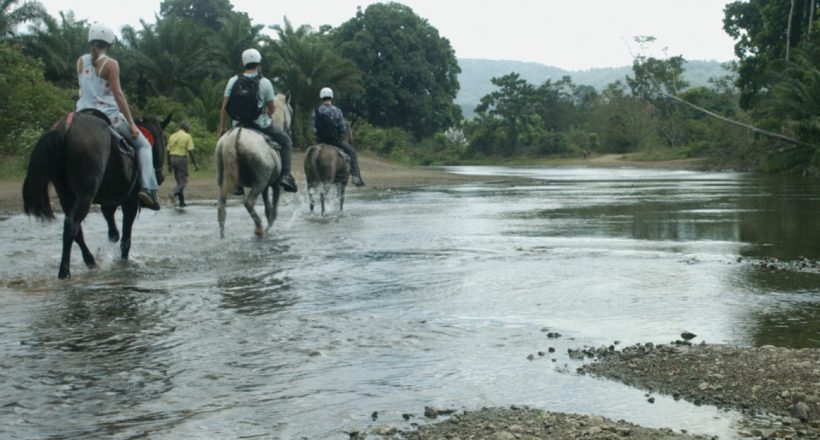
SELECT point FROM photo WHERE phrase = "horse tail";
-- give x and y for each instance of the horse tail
(312, 162)
(227, 165)
(42, 167)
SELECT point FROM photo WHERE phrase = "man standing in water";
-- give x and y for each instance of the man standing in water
(180, 147)
(329, 128)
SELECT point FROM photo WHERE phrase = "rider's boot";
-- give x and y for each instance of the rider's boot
(356, 173)
(148, 199)
(288, 184)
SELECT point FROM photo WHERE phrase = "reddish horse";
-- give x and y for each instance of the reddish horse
(84, 162)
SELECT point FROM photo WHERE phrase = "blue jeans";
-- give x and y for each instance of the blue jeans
(145, 157)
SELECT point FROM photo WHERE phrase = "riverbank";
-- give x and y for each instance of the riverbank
(379, 173)
(781, 384)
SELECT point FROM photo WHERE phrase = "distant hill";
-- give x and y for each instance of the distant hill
(476, 74)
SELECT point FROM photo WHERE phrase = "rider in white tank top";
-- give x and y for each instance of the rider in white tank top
(95, 92)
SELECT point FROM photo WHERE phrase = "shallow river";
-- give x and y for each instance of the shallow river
(432, 296)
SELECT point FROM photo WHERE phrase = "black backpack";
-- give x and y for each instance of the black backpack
(326, 129)
(243, 104)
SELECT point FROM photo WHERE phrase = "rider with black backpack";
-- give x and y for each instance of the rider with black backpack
(249, 102)
(329, 127)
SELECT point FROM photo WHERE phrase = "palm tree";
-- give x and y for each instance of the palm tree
(58, 45)
(11, 18)
(795, 97)
(303, 62)
(171, 57)
(236, 34)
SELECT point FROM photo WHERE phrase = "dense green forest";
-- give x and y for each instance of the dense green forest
(397, 79)
(476, 74)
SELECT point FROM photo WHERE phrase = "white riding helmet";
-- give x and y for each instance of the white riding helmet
(100, 32)
(326, 93)
(251, 56)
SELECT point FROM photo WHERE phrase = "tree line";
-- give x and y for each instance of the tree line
(396, 78)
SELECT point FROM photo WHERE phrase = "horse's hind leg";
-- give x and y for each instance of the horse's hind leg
(220, 213)
(341, 190)
(250, 201)
(271, 204)
(88, 257)
(108, 213)
(75, 211)
(322, 197)
(266, 198)
(277, 191)
(129, 213)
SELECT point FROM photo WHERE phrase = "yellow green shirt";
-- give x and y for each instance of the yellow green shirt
(180, 143)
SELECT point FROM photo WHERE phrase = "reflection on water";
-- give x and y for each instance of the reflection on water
(433, 296)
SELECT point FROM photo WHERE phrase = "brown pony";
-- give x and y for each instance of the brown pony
(84, 163)
(326, 166)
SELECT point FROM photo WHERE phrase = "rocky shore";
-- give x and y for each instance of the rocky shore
(767, 380)
(519, 423)
(779, 385)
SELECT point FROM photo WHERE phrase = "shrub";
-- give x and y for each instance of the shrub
(30, 105)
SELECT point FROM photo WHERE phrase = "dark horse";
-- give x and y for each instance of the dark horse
(83, 161)
(326, 166)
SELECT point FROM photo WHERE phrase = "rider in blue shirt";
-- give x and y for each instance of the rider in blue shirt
(251, 59)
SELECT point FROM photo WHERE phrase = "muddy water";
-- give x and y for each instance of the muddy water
(432, 296)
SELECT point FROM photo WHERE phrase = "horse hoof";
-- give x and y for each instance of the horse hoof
(259, 233)
(113, 238)
(64, 275)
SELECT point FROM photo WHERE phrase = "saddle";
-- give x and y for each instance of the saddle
(269, 140)
(345, 157)
(123, 145)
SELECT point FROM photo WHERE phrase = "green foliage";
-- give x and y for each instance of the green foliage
(208, 13)
(410, 72)
(512, 102)
(782, 94)
(620, 120)
(789, 159)
(236, 34)
(475, 76)
(58, 45)
(30, 105)
(204, 137)
(303, 62)
(388, 142)
(794, 100)
(759, 28)
(11, 17)
(167, 58)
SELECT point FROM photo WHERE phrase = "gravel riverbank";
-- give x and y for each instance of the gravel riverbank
(777, 387)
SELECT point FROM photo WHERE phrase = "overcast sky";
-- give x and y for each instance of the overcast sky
(570, 34)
